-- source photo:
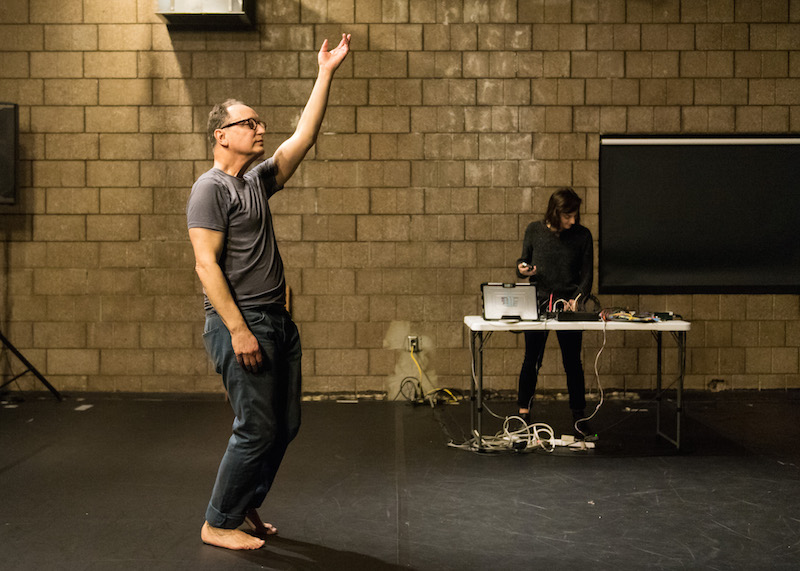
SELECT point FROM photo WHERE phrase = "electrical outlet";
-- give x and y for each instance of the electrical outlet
(413, 344)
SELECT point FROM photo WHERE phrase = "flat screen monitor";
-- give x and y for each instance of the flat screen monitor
(713, 214)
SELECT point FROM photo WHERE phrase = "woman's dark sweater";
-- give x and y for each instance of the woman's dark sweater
(563, 261)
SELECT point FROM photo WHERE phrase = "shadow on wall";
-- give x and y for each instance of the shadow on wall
(405, 366)
(4, 315)
(16, 227)
(202, 68)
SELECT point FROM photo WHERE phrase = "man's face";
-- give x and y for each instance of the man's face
(240, 136)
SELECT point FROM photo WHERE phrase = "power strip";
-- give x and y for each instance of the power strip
(566, 441)
(570, 442)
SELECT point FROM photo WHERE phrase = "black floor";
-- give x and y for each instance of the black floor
(123, 485)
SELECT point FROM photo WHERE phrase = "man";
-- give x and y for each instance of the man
(248, 334)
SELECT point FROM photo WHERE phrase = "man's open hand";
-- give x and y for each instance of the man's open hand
(330, 60)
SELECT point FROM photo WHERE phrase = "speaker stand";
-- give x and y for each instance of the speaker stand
(30, 369)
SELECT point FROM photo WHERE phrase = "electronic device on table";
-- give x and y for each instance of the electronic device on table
(509, 301)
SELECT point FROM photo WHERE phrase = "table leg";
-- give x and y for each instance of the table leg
(479, 401)
(473, 336)
(659, 368)
(476, 393)
(680, 340)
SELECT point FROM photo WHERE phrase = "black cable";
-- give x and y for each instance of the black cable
(415, 387)
(596, 307)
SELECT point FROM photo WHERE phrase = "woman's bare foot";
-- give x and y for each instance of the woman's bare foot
(258, 527)
(229, 538)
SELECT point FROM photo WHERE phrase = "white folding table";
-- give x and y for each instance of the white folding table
(479, 326)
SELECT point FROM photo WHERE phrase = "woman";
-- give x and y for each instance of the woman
(557, 256)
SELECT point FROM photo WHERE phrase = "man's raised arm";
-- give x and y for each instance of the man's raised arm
(292, 151)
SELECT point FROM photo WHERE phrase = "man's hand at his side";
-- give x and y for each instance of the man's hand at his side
(247, 350)
(207, 245)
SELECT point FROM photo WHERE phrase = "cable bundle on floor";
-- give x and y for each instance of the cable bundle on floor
(413, 385)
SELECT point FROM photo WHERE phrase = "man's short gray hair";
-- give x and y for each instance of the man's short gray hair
(218, 117)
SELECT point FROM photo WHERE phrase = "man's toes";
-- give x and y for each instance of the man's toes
(229, 538)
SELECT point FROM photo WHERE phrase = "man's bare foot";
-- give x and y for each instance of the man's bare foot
(229, 538)
(258, 527)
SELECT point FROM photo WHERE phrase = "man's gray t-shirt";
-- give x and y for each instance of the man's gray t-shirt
(239, 208)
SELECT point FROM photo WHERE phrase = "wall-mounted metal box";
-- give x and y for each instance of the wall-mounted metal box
(208, 14)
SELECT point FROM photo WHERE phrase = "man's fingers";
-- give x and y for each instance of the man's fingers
(250, 361)
(255, 362)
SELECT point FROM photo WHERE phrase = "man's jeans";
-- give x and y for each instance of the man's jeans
(267, 409)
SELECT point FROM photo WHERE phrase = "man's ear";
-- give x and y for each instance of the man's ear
(221, 137)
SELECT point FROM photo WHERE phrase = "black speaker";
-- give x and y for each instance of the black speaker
(9, 150)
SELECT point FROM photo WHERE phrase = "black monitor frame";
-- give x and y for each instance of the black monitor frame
(699, 214)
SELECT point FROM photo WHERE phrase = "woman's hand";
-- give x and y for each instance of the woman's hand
(526, 269)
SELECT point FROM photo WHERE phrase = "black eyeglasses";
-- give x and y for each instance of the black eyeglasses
(252, 123)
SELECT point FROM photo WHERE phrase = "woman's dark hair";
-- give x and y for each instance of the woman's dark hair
(218, 117)
(563, 201)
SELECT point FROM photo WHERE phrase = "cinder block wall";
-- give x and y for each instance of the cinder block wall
(449, 126)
